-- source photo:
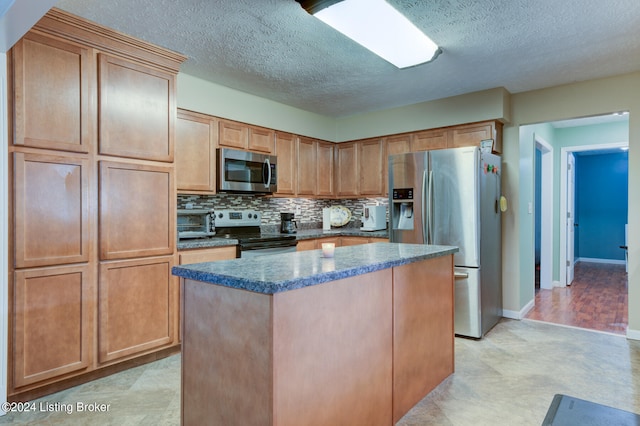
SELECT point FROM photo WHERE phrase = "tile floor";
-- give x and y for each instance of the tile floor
(507, 378)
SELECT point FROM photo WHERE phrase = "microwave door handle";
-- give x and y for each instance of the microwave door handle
(266, 165)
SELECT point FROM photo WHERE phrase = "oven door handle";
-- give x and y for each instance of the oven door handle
(266, 176)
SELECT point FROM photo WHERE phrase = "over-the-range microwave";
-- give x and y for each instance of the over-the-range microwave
(241, 171)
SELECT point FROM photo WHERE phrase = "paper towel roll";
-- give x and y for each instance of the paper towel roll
(326, 219)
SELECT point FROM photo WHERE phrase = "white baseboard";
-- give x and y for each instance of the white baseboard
(518, 315)
(633, 334)
(594, 260)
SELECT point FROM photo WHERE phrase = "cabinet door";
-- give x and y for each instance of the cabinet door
(430, 139)
(137, 210)
(370, 160)
(307, 159)
(52, 319)
(325, 170)
(398, 144)
(261, 139)
(287, 169)
(196, 137)
(347, 155)
(137, 110)
(136, 306)
(51, 210)
(233, 135)
(51, 94)
(470, 135)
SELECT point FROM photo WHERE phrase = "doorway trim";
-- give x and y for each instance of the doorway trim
(564, 153)
(546, 211)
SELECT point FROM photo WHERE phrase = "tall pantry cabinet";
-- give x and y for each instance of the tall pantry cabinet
(93, 203)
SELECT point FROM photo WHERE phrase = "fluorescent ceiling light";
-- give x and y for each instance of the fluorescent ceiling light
(380, 28)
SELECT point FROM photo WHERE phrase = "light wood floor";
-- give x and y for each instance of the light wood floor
(596, 300)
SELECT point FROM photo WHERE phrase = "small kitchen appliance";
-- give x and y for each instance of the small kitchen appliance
(288, 224)
(374, 218)
(196, 223)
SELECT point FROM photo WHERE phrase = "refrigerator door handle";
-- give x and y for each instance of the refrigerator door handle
(425, 210)
(460, 275)
(431, 209)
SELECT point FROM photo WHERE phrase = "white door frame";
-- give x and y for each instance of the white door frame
(564, 152)
(546, 212)
(4, 221)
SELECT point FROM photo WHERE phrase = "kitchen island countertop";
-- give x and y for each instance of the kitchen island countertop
(275, 274)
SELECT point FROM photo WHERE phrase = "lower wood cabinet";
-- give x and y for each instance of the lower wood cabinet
(208, 255)
(137, 305)
(52, 320)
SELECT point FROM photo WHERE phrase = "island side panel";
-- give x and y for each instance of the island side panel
(333, 353)
(423, 336)
(226, 356)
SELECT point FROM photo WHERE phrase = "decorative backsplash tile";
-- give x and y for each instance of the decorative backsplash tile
(271, 207)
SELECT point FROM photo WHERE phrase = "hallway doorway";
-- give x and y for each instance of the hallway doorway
(597, 299)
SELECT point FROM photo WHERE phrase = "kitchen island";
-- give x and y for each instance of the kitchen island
(297, 338)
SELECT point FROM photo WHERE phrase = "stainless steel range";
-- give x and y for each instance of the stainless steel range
(244, 226)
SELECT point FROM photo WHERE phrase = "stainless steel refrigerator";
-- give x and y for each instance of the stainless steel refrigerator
(452, 197)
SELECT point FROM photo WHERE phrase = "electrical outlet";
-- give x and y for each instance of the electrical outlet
(298, 210)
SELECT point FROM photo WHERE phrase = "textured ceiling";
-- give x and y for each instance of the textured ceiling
(275, 50)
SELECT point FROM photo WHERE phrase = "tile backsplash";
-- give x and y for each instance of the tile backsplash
(271, 207)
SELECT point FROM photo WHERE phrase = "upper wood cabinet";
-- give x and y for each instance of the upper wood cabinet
(285, 150)
(51, 205)
(398, 144)
(195, 157)
(261, 139)
(473, 134)
(137, 210)
(325, 171)
(242, 136)
(52, 90)
(233, 135)
(307, 166)
(430, 139)
(371, 167)
(347, 164)
(136, 110)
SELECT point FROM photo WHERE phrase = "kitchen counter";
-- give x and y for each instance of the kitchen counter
(303, 234)
(197, 243)
(296, 338)
(289, 271)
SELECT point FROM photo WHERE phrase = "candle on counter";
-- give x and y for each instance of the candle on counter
(328, 249)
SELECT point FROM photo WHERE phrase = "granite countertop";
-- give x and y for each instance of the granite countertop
(302, 234)
(211, 242)
(289, 271)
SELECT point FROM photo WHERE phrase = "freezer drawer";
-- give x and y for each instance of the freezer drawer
(467, 319)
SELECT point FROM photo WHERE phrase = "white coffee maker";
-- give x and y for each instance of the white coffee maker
(374, 218)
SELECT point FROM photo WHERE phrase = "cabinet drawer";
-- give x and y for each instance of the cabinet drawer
(208, 255)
